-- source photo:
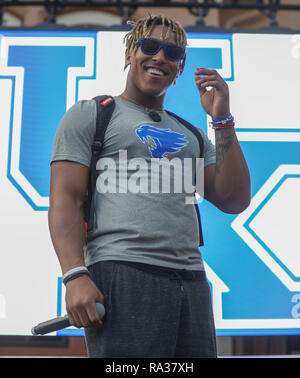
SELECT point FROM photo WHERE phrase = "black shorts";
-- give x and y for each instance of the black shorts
(152, 312)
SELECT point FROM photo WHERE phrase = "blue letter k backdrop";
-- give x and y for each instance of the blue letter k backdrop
(252, 259)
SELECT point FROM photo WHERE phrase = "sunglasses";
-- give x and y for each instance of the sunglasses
(151, 46)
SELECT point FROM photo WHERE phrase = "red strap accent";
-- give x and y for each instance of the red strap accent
(107, 101)
(85, 225)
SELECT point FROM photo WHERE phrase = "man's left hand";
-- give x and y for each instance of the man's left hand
(215, 101)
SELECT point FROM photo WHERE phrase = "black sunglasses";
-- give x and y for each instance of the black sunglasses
(151, 46)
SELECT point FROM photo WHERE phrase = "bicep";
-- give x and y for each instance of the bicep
(68, 179)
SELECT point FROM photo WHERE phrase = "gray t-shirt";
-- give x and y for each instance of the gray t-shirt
(138, 216)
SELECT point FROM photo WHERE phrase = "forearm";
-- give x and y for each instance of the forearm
(67, 232)
(232, 178)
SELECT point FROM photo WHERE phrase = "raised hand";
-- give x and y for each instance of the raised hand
(215, 101)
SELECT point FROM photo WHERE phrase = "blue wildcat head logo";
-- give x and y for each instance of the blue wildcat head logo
(161, 141)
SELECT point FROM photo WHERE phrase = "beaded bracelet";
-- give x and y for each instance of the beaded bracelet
(219, 126)
(223, 120)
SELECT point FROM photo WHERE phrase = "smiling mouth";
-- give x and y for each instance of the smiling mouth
(155, 72)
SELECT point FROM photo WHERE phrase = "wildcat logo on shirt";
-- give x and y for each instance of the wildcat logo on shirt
(161, 141)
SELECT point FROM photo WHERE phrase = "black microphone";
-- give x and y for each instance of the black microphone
(60, 323)
(154, 116)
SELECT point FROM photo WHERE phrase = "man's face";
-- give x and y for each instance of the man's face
(152, 75)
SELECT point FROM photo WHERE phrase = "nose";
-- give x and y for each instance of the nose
(160, 55)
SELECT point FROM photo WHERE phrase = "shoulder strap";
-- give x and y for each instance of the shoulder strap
(105, 107)
(198, 135)
(192, 128)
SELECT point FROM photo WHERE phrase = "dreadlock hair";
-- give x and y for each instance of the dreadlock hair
(143, 29)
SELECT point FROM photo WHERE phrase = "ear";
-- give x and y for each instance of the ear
(177, 73)
(127, 62)
(179, 68)
(176, 77)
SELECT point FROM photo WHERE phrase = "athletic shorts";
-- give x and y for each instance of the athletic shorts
(152, 312)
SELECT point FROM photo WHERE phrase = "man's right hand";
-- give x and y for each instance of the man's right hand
(81, 297)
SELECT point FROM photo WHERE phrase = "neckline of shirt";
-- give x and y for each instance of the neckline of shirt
(140, 107)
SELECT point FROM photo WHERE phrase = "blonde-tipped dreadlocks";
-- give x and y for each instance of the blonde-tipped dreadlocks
(143, 29)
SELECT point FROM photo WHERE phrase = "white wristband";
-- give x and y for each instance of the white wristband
(75, 270)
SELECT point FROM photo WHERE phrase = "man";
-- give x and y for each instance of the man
(142, 254)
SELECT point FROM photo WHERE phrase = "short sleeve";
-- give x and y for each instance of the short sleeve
(75, 133)
(209, 150)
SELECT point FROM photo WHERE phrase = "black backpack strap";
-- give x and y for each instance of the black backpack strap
(192, 128)
(105, 108)
(198, 135)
